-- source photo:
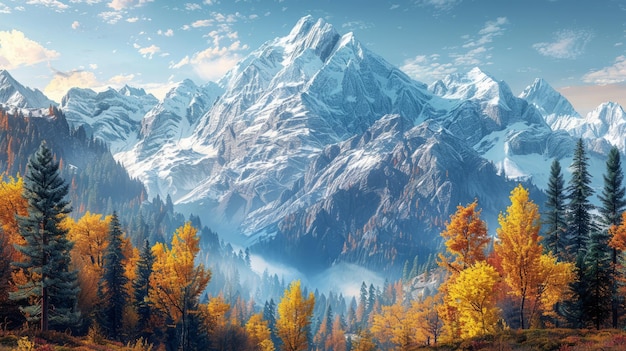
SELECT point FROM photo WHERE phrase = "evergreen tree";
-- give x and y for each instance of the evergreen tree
(141, 286)
(51, 288)
(112, 286)
(612, 205)
(597, 275)
(613, 197)
(555, 240)
(579, 208)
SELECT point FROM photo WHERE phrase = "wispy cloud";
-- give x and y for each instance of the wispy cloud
(110, 17)
(427, 69)
(213, 62)
(75, 25)
(149, 51)
(475, 51)
(441, 5)
(132, 19)
(55, 4)
(192, 7)
(4, 8)
(567, 44)
(351, 26)
(166, 33)
(17, 50)
(616, 73)
(119, 5)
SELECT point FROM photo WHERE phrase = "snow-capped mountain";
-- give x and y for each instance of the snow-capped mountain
(112, 115)
(601, 128)
(14, 94)
(504, 129)
(281, 106)
(319, 151)
(166, 124)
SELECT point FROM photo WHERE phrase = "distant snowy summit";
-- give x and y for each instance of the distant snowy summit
(14, 94)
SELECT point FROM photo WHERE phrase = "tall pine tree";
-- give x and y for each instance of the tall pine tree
(112, 286)
(141, 286)
(51, 289)
(612, 205)
(579, 191)
(555, 221)
(596, 300)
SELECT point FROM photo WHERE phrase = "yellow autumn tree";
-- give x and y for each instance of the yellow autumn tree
(294, 318)
(259, 332)
(529, 276)
(12, 204)
(177, 281)
(428, 318)
(89, 234)
(465, 238)
(618, 235)
(472, 293)
(395, 328)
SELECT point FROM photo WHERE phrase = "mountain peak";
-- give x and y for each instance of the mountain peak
(550, 103)
(127, 90)
(317, 35)
(473, 85)
(14, 94)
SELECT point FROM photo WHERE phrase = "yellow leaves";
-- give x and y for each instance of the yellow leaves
(176, 280)
(259, 332)
(466, 238)
(538, 280)
(295, 312)
(12, 203)
(394, 327)
(472, 294)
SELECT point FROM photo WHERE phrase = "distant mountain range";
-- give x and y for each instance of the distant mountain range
(319, 151)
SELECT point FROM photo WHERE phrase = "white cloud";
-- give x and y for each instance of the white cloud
(202, 23)
(63, 81)
(351, 26)
(75, 25)
(4, 8)
(212, 63)
(491, 30)
(132, 19)
(192, 7)
(427, 69)
(110, 17)
(17, 50)
(93, 65)
(49, 3)
(167, 33)
(567, 44)
(119, 5)
(616, 73)
(149, 51)
(121, 79)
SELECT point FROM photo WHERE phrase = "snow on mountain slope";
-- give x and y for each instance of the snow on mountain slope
(113, 116)
(555, 108)
(504, 129)
(165, 125)
(14, 94)
(281, 106)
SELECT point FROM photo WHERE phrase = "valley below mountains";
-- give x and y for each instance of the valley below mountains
(314, 151)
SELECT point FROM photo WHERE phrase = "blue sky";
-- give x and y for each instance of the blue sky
(577, 46)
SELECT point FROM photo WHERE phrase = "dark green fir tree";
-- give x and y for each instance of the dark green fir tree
(141, 286)
(51, 290)
(598, 283)
(579, 208)
(112, 292)
(555, 240)
(612, 205)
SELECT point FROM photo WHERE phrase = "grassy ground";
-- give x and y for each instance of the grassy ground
(544, 340)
